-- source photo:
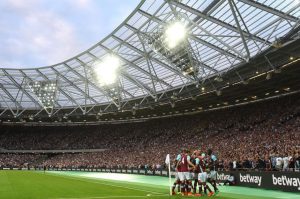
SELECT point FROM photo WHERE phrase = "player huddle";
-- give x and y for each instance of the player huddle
(195, 170)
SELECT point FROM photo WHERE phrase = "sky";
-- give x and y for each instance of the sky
(35, 33)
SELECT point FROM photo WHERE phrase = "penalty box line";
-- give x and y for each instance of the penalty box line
(87, 179)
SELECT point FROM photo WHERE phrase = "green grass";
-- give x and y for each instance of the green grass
(85, 185)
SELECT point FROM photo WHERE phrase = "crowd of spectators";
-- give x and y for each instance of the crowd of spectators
(20, 160)
(264, 135)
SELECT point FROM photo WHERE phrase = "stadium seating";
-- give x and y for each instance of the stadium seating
(246, 137)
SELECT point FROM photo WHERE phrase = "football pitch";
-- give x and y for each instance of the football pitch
(91, 185)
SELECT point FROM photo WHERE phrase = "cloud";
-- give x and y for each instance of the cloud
(41, 35)
(20, 4)
(81, 3)
(53, 36)
(40, 32)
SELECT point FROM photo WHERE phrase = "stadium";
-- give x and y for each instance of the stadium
(183, 99)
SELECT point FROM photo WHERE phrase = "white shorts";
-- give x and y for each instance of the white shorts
(194, 176)
(184, 176)
(202, 177)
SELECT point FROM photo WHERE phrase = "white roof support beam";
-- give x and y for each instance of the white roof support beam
(217, 21)
(141, 52)
(103, 91)
(270, 10)
(139, 84)
(149, 64)
(230, 2)
(28, 95)
(13, 110)
(75, 86)
(80, 76)
(166, 65)
(17, 85)
(220, 50)
(195, 24)
(3, 111)
(90, 82)
(62, 91)
(133, 65)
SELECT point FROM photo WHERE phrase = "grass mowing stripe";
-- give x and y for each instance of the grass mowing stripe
(229, 195)
(224, 192)
(117, 197)
(88, 179)
(36, 185)
(153, 182)
(33, 185)
(6, 185)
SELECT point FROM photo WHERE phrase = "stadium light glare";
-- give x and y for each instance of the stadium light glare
(106, 71)
(175, 33)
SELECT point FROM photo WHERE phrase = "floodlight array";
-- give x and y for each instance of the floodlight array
(45, 91)
(171, 42)
(105, 72)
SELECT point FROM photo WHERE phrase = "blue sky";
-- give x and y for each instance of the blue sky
(37, 33)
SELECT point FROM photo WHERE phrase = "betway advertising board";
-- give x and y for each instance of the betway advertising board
(285, 181)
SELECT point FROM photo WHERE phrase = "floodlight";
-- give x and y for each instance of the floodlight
(45, 91)
(106, 70)
(175, 33)
(171, 42)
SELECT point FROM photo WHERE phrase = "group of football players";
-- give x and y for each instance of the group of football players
(193, 170)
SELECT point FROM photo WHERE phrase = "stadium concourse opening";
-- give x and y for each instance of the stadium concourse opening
(185, 98)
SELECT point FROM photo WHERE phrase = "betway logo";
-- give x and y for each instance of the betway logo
(222, 176)
(285, 181)
(250, 179)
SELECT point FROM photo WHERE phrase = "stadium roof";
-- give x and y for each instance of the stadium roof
(223, 36)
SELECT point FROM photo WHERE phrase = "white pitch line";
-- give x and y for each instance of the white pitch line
(103, 197)
(87, 179)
